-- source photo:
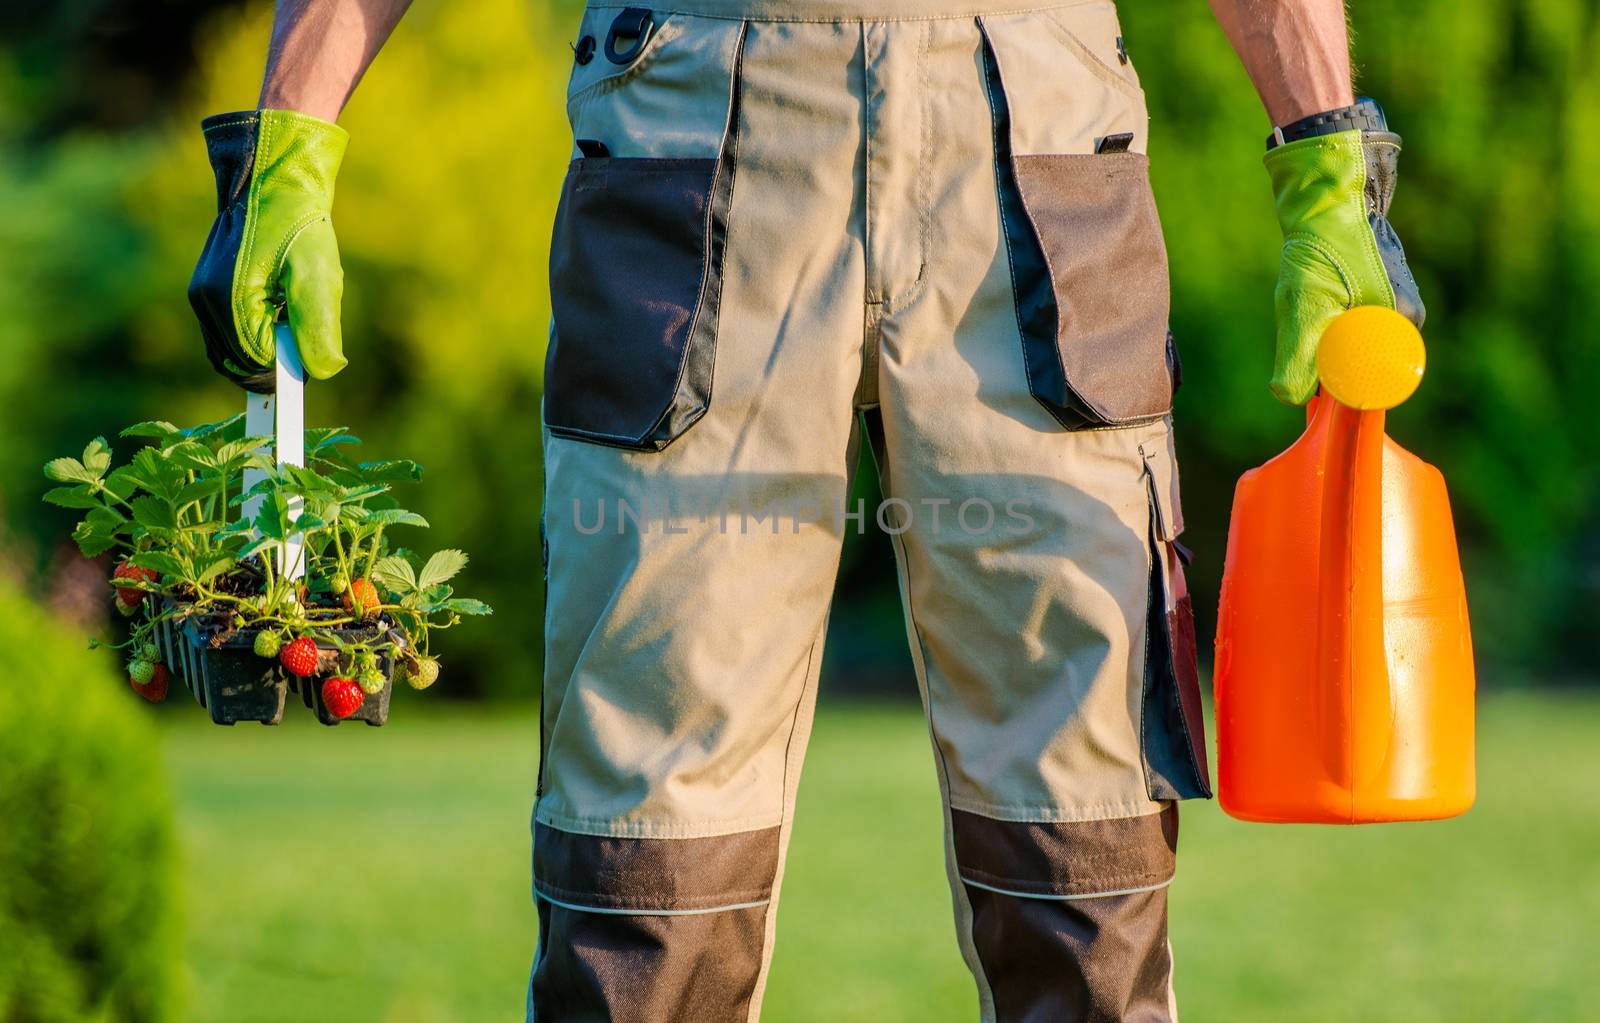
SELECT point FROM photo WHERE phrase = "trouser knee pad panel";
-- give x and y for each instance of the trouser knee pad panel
(649, 928)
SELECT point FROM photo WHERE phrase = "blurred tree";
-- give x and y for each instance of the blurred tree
(88, 916)
(102, 63)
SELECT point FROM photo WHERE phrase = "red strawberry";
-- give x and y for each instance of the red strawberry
(362, 600)
(342, 697)
(299, 656)
(156, 689)
(132, 596)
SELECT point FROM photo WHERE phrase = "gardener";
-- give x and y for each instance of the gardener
(790, 226)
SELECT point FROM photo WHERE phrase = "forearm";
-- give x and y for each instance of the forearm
(1297, 53)
(321, 48)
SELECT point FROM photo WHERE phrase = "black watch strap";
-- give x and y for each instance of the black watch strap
(1363, 115)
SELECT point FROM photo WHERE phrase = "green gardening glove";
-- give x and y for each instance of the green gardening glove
(1339, 251)
(271, 253)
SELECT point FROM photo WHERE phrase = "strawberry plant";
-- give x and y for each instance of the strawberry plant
(295, 567)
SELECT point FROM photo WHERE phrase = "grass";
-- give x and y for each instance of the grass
(381, 875)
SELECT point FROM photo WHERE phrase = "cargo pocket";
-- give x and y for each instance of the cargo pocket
(635, 288)
(1172, 723)
(1088, 273)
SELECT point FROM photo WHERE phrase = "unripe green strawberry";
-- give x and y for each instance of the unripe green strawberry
(150, 652)
(141, 671)
(339, 583)
(371, 681)
(266, 644)
(125, 609)
(423, 673)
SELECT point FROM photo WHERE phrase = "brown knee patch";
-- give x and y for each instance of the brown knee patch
(654, 874)
(649, 928)
(1053, 945)
(1058, 858)
(605, 966)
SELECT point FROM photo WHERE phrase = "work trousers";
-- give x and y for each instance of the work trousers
(790, 228)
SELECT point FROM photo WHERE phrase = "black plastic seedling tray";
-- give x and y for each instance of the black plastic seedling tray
(231, 682)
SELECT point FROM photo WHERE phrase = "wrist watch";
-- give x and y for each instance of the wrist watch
(1364, 114)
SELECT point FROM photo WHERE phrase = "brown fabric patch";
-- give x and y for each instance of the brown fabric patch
(604, 967)
(1098, 960)
(654, 874)
(1096, 221)
(1058, 858)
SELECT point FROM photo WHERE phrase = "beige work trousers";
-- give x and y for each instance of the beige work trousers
(788, 228)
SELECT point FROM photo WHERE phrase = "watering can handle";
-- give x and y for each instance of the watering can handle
(281, 416)
(1369, 360)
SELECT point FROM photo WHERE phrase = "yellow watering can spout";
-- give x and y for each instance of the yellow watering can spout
(1344, 678)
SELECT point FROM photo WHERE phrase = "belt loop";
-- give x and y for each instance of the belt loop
(637, 23)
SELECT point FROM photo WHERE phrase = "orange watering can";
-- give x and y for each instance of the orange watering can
(1344, 679)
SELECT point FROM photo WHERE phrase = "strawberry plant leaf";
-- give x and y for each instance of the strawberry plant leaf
(260, 487)
(432, 598)
(272, 519)
(395, 574)
(92, 540)
(122, 482)
(308, 522)
(221, 426)
(262, 462)
(161, 561)
(216, 566)
(72, 497)
(394, 470)
(68, 470)
(440, 568)
(110, 518)
(97, 457)
(466, 606)
(192, 455)
(157, 473)
(239, 449)
(153, 513)
(260, 544)
(199, 490)
(394, 517)
(152, 428)
(363, 492)
(321, 438)
(312, 482)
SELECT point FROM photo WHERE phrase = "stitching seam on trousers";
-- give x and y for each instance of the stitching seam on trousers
(605, 911)
(1065, 898)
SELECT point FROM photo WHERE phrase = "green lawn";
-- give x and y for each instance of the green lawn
(381, 875)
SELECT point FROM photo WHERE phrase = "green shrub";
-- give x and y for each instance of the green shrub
(87, 886)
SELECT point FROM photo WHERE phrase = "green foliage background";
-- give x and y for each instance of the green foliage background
(443, 213)
(87, 851)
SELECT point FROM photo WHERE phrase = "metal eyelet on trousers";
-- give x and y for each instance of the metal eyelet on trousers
(636, 23)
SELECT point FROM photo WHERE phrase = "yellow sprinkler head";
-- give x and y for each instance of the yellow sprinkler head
(1370, 358)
